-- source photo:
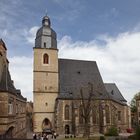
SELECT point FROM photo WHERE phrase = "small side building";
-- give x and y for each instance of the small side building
(136, 116)
(12, 103)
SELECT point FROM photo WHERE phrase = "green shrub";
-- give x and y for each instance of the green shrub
(132, 137)
(112, 131)
(102, 138)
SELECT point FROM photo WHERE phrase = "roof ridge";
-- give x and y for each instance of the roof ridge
(70, 59)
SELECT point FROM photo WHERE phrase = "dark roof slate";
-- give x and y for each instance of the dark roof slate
(114, 93)
(6, 84)
(74, 74)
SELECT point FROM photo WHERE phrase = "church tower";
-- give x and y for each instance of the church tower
(45, 77)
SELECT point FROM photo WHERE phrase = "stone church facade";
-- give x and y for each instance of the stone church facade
(57, 85)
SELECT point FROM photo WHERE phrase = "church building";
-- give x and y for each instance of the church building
(61, 85)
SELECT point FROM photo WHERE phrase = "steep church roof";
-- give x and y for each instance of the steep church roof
(6, 83)
(114, 93)
(76, 74)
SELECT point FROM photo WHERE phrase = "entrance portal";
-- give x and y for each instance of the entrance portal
(9, 133)
(47, 126)
(67, 129)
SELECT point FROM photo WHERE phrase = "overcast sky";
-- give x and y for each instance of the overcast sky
(106, 31)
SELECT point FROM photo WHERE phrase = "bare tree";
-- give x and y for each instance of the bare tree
(86, 109)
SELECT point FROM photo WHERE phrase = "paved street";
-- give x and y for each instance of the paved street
(30, 135)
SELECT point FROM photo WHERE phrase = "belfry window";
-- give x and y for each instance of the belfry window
(45, 59)
(44, 44)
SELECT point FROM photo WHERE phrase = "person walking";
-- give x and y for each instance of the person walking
(34, 136)
(54, 135)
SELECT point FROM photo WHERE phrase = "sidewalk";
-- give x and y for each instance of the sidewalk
(125, 134)
(30, 135)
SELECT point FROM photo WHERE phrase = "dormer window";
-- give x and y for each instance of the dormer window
(45, 59)
(78, 72)
(112, 92)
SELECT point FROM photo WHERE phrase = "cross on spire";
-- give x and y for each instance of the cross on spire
(46, 12)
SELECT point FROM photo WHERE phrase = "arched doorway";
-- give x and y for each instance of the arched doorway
(67, 129)
(47, 126)
(9, 132)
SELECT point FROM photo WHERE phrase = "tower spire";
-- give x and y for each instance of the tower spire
(46, 36)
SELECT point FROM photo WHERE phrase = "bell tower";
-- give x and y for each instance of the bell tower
(45, 76)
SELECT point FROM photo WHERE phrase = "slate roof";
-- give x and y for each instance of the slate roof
(6, 84)
(18, 93)
(74, 74)
(114, 93)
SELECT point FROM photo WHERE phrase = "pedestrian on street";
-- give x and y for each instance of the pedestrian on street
(34, 136)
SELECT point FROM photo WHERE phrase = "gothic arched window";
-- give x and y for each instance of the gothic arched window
(66, 112)
(107, 114)
(113, 114)
(45, 59)
(81, 114)
(94, 115)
